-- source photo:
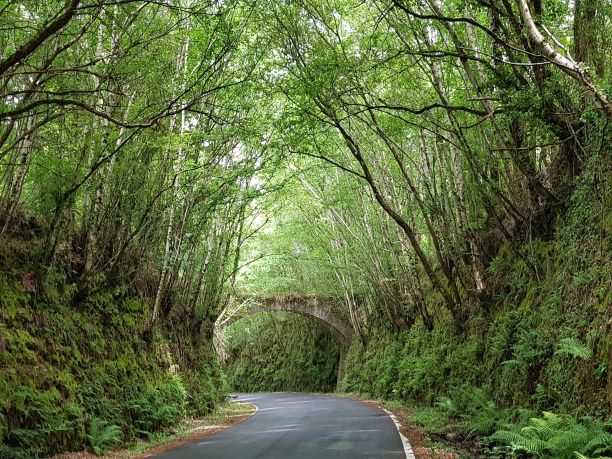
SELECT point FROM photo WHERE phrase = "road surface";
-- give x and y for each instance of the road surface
(301, 426)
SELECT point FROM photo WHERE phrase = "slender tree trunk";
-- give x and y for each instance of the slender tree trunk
(24, 156)
(182, 63)
(566, 63)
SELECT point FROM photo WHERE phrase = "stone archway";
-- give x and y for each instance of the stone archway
(319, 309)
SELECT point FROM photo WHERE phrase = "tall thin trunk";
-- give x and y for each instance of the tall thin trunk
(182, 63)
(24, 155)
(566, 63)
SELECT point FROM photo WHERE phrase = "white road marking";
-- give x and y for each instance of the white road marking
(405, 443)
(407, 447)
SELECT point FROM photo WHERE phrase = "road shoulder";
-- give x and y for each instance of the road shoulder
(420, 446)
(226, 415)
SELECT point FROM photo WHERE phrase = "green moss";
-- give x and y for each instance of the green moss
(14, 301)
(274, 352)
(64, 364)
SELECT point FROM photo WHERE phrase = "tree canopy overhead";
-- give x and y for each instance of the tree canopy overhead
(416, 136)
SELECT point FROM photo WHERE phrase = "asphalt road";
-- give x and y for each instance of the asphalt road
(301, 426)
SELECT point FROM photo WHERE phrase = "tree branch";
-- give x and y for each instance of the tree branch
(28, 48)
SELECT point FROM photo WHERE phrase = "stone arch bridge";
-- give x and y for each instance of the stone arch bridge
(326, 311)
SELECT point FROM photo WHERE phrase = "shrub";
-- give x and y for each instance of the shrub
(103, 436)
(558, 436)
(160, 406)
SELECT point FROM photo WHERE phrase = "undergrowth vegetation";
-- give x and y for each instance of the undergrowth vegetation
(558, 436)
(78, 373)
(102, 436)
(281, 352)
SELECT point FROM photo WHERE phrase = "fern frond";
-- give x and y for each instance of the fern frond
(546, 427)
(103, 436)
(604, 439)
(518, 441)
(447, 404)
(557, 420)
(507, 436)
(574, 348)
(570, 439)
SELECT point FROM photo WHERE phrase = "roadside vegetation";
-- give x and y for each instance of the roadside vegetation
(105, 439)
(441, 168)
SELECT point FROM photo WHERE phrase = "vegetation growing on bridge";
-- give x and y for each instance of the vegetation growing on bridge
(441, 168)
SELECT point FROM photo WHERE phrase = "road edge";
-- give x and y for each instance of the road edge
(408, 451)
(407, 446)
(161, 448)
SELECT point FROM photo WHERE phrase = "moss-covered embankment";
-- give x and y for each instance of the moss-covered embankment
(76, 368)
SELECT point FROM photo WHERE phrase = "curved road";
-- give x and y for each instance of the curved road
(301, 426)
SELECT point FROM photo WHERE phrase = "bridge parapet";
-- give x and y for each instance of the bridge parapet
(326, 311)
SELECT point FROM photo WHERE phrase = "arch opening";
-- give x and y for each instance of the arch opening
(314, 308)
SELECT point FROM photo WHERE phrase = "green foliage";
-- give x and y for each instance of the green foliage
(476, 412)
(160, 406)
(522, 355)
(453, 190)
(103, 436)
(44, 418)
(574, 348)
(274, 352)
(71, 365)
(559, 436)
(8, 452)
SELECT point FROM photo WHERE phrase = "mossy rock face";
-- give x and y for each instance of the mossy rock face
(281, 352)
(64, 365)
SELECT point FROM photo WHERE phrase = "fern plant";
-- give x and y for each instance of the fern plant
(560, 437)
(103, 436)
(448, 405)
(474, 410)
(574, 348)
